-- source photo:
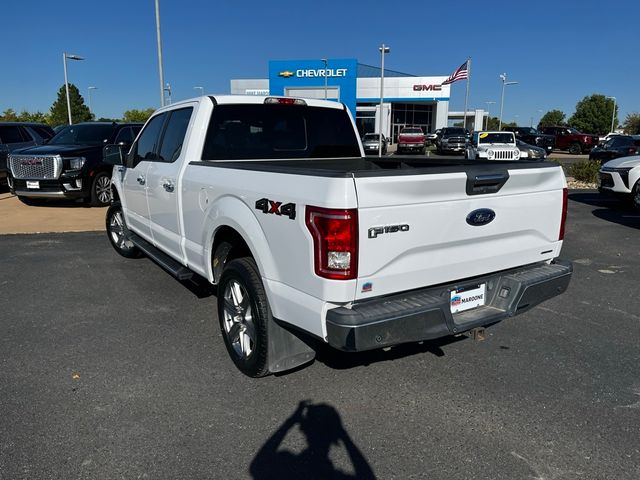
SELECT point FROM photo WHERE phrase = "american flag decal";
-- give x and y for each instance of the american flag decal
(461, 73)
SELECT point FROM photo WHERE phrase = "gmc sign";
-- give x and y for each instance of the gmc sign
(427, 88)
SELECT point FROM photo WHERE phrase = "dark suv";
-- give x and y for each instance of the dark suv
(15, 135)
(533, 137)
(71, 164)
(615, 147)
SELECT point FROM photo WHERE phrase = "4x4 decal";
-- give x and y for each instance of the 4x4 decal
(277, 208)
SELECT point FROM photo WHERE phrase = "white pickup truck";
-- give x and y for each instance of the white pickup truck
(272, 200)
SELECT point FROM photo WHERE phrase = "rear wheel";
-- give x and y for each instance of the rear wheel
(575, 149)
(118, 233)
(101, 190)
(244, 313)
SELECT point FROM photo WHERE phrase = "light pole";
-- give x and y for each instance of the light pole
(326, 63)
(503, 77)
(383, 49)
(69, 56)
(540, 118)
(488, 103)
(158, 38)
(613, 115)
(199, 88)
(167, 88)
(89, 96)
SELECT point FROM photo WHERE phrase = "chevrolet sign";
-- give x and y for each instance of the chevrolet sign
(286, 74)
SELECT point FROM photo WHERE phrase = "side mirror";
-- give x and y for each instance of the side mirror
(114, 154)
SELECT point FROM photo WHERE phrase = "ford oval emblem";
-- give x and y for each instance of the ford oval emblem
(480, 217)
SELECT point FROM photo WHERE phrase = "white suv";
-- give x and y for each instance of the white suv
(621, 176)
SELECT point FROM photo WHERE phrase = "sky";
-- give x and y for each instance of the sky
(558, 51)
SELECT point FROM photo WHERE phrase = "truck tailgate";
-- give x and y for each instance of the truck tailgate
(414, 229)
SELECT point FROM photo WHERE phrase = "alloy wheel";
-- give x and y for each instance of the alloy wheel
(238, 319)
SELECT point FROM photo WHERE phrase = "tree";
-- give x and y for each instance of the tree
(79, 111)
(632, 124)
(105, 119)
(593, 115)
(134, 115)
(552, 118)
(9, 115)
(37, 117)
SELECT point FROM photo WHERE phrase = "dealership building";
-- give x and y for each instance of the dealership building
(407, 99)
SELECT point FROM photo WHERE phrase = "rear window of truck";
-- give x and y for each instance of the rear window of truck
(244, 132)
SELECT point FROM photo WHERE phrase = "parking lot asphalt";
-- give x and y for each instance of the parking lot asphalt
(110, 368)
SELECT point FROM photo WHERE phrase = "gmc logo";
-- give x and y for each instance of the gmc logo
(426, 88)
(31, 162)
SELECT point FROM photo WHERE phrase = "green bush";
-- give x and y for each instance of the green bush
(585, 171)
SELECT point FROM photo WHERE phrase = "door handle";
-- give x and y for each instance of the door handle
(141, 180)
(168, 186)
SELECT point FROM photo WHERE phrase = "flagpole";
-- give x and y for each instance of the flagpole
(466, 98)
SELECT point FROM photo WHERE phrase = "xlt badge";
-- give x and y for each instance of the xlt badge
(375, 231)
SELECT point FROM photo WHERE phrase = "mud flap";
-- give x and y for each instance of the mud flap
(287, 348)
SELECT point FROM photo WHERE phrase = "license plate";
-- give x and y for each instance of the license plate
(33, 184)
(468, 298)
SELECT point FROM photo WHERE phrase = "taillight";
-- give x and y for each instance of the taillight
(284, 101)
(632, 151)
(335, 242)
(565, 199)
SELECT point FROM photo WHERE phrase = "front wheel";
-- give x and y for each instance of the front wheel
(575, 149)
(244, 313)
(101, 190)
(118, 233)
(636, 195)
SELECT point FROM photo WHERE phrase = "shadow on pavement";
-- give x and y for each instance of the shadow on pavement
(339, 360)
(322, 428)
(627, 218)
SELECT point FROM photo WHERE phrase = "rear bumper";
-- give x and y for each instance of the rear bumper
(426, 314)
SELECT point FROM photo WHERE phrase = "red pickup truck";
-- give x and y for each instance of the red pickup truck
(411, 138)
(570, 139)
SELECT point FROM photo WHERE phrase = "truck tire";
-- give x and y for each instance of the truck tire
(244, 313)
(117, 232)
(575, 149)
(101, 190)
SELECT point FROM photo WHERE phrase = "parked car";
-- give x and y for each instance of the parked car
(493, 146)
(570, 139)
(371, 143)
(16, 135)
(530, 151)
(616, 146)
(532, 136)
(411, 139)
(70, 165)
(359, 254)
(430, 138)
(621, 177)
(452, 139)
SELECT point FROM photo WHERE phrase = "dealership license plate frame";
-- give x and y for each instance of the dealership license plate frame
(33, 184)
(468, 292)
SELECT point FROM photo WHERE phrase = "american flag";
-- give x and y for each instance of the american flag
(461, 73)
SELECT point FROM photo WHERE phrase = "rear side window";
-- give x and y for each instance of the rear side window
(11, 134)
(174, 134)
(146, 147)
(243, 132)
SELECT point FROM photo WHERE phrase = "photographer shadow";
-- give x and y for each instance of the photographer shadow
(322, 428)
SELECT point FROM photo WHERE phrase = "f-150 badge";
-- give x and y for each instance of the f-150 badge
(375, 231)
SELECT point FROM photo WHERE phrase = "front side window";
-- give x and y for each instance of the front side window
(174, 134)
(146, 147)
(10, 134)
(125, 137)
(243, 132)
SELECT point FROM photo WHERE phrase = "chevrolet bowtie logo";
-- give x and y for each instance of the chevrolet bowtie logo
(286, 74)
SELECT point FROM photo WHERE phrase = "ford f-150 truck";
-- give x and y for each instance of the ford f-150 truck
(272, 200)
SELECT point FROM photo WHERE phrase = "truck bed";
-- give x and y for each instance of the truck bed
(372, 167)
